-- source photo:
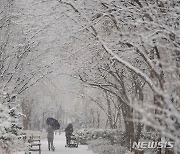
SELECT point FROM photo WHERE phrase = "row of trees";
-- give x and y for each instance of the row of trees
(131, 52)
(20, 69)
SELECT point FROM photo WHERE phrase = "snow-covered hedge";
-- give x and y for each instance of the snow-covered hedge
(105, 141)
(103, 146)
(148, 135)
(112, 136)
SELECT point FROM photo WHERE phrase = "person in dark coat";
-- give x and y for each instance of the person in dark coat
(50, 137)
(68, 131)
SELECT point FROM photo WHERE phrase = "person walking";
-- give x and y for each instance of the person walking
(50, 137)
(68, 133)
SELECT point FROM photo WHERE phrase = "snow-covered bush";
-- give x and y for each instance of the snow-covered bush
(10, 125)
(103, 146)
(148, 135)
(112, 136)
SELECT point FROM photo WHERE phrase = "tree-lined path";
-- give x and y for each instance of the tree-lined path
(95, 64)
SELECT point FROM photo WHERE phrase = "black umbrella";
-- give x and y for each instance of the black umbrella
(53, 122)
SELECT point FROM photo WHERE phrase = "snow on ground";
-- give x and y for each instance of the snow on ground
(59, 143)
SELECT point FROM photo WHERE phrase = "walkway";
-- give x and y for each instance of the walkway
(59, 143)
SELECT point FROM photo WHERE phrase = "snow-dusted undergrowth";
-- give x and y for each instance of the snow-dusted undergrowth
(10, 125)
(102, 146)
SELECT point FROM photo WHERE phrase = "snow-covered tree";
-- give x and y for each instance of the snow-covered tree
(140, 31)
(20, 68)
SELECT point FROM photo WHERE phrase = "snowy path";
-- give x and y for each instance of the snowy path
(59, 143)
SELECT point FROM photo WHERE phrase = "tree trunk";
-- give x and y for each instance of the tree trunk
(129, 125)
(138, 131)
(110, 120)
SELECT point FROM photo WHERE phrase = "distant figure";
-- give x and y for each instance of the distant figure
(50, 137)
(68, 131)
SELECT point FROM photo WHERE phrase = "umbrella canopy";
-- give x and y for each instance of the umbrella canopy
(53, 122)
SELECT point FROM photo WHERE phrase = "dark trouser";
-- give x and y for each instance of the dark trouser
(50, 143)
(68, 137)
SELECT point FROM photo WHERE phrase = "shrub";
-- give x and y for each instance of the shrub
(10, 126)
(112, 136)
